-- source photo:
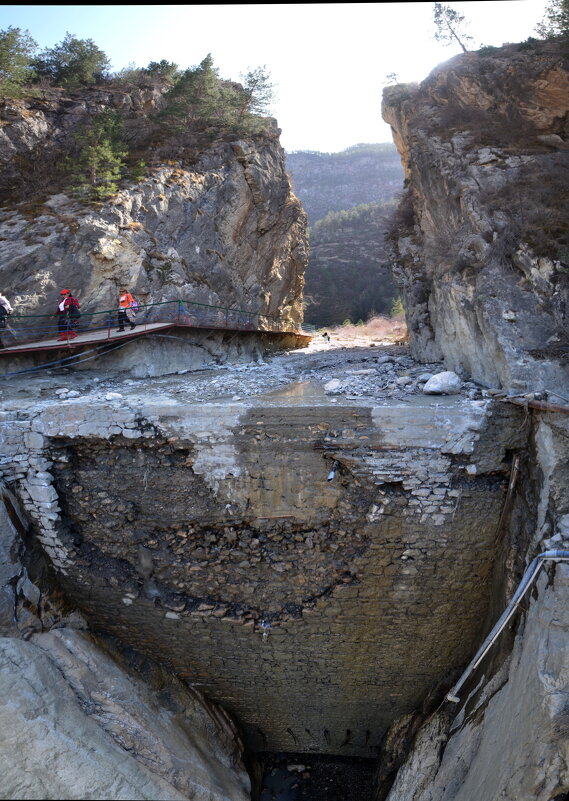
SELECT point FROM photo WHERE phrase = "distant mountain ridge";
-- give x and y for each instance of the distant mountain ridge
(349, 199)
(325, 182)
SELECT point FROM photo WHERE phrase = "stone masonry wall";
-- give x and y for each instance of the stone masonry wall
(212, 537)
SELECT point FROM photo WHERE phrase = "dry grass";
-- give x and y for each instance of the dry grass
(378, 329)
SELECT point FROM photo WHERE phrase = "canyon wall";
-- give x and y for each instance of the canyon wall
(216, 225)
(481, 238)
(320, 564)
(481, 250)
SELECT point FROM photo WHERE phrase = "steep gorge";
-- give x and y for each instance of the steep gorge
(313, 542)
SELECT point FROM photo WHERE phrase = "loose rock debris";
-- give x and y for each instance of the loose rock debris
(335, 370)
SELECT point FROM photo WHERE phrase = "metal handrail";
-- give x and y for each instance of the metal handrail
(24, 327)
(527, 580)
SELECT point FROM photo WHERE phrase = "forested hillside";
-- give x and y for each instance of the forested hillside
(349, 276)
(339, 181)
(349, 198)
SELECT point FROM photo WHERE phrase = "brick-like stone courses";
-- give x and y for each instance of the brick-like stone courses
(182, 530)
(152, 508)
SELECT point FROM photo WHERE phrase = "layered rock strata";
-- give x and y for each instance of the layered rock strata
(481, 237)
(218, 226)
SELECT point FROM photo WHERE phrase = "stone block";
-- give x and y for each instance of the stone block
(33, 440)
(42, 493)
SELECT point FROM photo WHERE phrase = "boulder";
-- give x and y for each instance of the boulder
(446, 383)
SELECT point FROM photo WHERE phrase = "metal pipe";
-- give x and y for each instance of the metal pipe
(524, 585)
(541, 406)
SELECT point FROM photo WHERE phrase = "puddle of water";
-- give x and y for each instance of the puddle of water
(299, 391)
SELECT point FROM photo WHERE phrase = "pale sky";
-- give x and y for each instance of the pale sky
(329, 61)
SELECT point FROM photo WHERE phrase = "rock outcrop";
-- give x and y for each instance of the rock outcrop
(481, 247)
(83, 720)
(481, 237)
(218, 226)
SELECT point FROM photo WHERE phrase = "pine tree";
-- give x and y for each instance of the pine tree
(96, 169)
(72, 62)
(200, 101)
(165, 70)
(555, 20)
(16, 51)
(449, 26)
(258, 90)
(196, 96)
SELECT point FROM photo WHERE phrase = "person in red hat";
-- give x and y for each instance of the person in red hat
(67, 315)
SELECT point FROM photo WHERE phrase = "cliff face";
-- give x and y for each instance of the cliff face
(85, 718)
(481, 243)
(481, 240)
(218, 225)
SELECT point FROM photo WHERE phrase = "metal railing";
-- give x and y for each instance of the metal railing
(527, 580)
(23, 328)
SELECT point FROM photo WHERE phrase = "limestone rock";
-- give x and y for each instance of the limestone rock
(481, 252)
(521, 716)
(79, 727)
(222, 229)
(445, 383)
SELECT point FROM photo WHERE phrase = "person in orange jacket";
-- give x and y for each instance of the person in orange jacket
(125, 303)
(67, 314)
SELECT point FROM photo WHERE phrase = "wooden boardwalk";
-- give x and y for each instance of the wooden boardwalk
(93, 337)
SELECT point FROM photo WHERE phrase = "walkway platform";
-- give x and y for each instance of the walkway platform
(92, 337)
(32, 341)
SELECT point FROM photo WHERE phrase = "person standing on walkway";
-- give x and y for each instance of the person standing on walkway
(67, 314)
(5, 310)
(126, 312)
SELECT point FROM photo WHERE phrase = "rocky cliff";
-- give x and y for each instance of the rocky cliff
(215, 224)
(83, 719)
(481, 239)
(481, 245)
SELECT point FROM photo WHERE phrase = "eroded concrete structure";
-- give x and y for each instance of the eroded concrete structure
(314, 565)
